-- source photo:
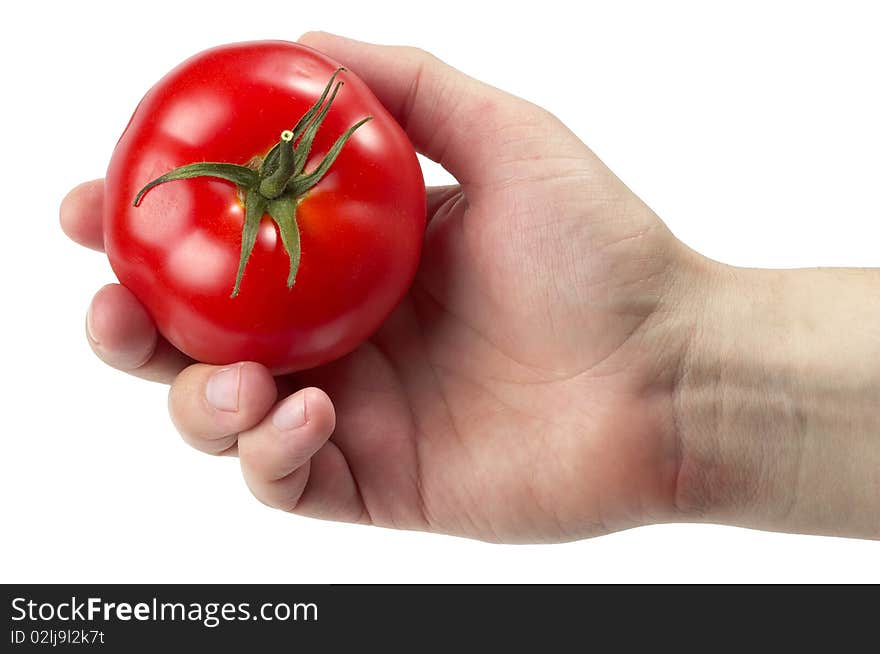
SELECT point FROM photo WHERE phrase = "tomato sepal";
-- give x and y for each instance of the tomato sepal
(254, 207)
(283, 212)
(243, 176)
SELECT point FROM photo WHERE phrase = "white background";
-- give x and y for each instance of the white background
(751, 129)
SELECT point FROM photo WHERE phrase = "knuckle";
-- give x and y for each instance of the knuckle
(420, 55)
(219, 446)
(258, 491)
(288, 504)
(271, 495)
(283, 494)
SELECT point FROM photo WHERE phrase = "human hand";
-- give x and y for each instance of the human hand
(529, 386)
(517, 394)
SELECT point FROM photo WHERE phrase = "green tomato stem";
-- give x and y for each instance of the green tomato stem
(273, 185)
(280, 183)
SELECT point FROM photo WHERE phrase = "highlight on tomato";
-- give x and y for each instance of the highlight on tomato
(264, 206)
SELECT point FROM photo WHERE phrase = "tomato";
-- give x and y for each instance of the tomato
(184, 249)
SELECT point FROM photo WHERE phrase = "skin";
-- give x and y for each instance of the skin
(563, 367)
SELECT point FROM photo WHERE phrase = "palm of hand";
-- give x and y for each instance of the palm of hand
(511, 395)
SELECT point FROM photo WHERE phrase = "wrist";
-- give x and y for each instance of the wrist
(776, 401)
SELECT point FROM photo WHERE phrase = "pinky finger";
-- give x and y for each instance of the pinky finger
(276, 454)
(322, 488)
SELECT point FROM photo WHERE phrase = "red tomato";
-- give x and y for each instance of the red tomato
(360, 228)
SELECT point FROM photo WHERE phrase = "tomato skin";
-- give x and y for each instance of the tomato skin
(361, 227)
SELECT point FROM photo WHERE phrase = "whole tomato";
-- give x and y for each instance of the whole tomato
(263, 205)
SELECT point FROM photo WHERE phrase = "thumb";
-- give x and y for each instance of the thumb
(470, 128)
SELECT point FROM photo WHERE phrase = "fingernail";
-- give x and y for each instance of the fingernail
(291, 414)
(222, 389)
(90, 326)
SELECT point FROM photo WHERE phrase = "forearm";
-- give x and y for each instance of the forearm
(777, 402)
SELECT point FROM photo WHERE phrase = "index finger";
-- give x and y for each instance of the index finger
(81, 212)
(463, 124)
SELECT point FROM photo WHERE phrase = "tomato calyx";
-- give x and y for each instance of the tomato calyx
(276, 184)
